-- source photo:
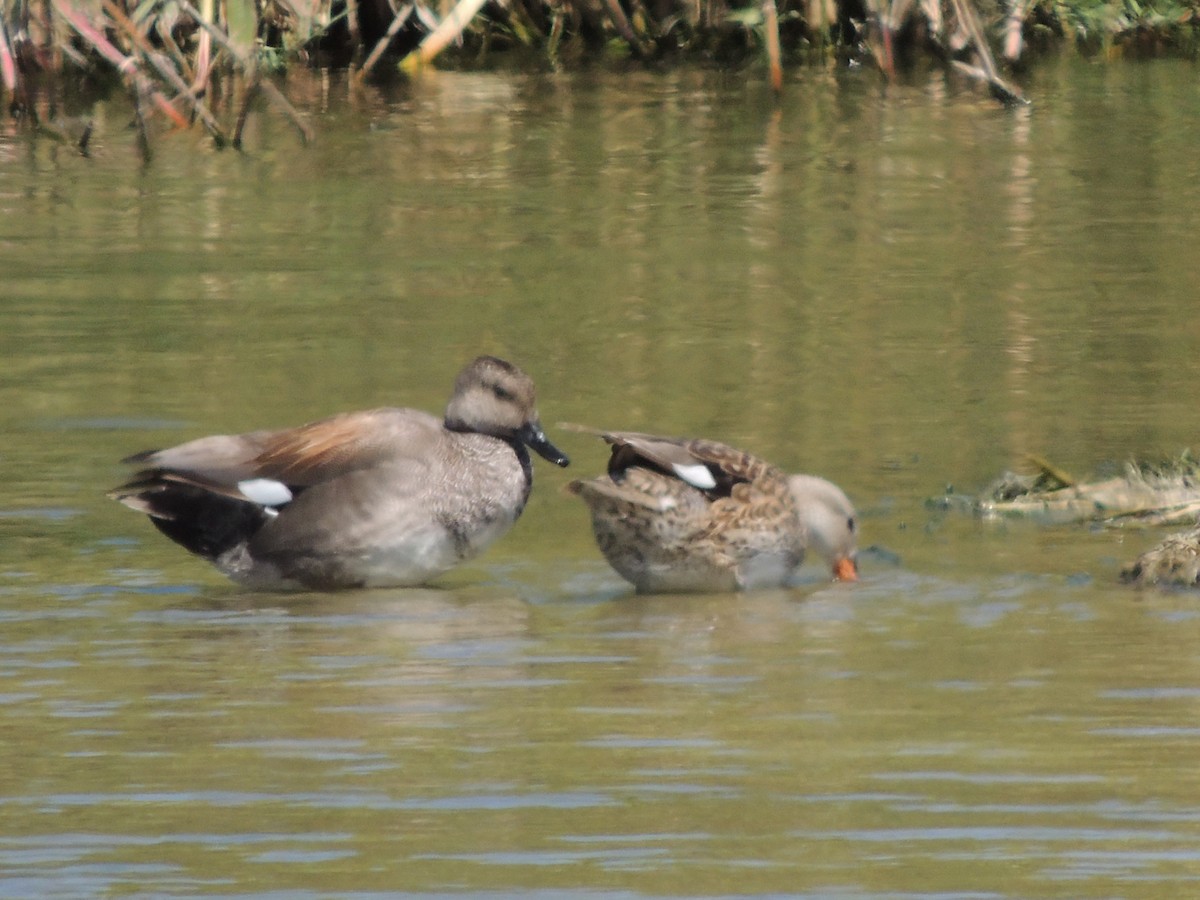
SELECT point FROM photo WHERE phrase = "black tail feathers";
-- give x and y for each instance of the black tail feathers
(203, 522)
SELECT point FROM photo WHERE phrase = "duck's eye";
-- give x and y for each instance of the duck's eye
(503, 393)
(851, 524)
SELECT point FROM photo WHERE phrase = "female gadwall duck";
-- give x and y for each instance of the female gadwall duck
(384, 497)
(696, 515)
(1173, 563)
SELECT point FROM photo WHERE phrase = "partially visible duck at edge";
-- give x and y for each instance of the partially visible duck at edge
(383, 497)
(696, 515)
(1173, 563)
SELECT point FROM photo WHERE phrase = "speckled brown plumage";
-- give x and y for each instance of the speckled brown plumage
(1174, 562)
(666, 531)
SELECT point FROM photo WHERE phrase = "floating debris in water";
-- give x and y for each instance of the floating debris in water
(1163, 492)
(1148, 493)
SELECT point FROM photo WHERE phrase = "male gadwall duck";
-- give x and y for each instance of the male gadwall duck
(696, 515)
(384, 497)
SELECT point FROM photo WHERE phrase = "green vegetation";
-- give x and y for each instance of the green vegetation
(195, 63)
(1123, 27)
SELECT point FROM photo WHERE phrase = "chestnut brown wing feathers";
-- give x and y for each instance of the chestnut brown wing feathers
(322, 450)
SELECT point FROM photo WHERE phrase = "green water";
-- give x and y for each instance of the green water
(901, 288)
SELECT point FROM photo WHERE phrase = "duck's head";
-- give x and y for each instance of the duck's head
(829, 517)
(495, 397)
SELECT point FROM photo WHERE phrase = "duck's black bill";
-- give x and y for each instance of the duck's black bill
(534, 438)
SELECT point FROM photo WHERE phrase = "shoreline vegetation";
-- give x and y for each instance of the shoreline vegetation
(206, 62)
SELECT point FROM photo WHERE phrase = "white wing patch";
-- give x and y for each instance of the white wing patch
(266, 491)
(696, 475)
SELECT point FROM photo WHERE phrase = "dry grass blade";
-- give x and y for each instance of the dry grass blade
(1185, 513)
(986, 69)
(352, 23)
(8, 66)
(200, 69)
(1050, 472)
(774, 53)
(932, 10)
(143, 140)
(888, 17)
(447, 31)
(398, 22)
(1013, 24)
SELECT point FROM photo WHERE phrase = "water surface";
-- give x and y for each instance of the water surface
(902, 288)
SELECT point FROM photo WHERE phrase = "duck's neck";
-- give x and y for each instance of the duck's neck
(524, 459)
(518, 447)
